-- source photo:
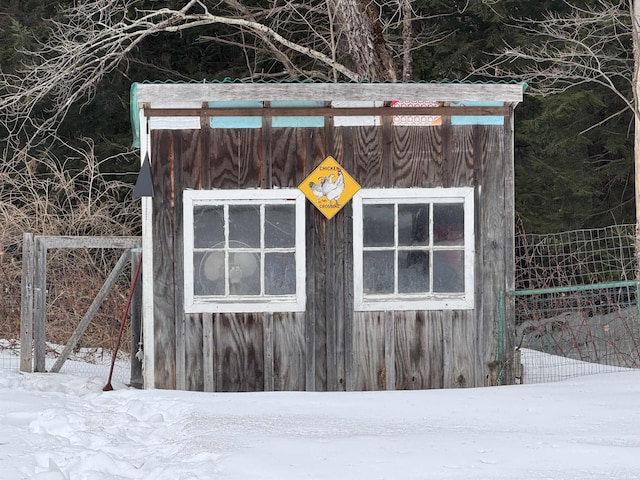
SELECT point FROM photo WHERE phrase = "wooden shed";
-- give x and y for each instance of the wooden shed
(326, 236)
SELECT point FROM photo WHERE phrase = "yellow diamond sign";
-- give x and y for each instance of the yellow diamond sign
(329, 187)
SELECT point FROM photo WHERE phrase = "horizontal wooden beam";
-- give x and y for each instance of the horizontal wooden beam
(180, 93)
(325, 111)
(88, 242)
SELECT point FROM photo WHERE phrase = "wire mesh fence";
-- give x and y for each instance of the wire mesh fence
(578, 257)
(576, 308)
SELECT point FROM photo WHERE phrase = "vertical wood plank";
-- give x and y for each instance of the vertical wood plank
(390, 350)
(342, 149)
(411, 349)
(448, 344)
(164, 153)
(510, 364)
(332, 290)
(267, 341)
(249, 159)
(208, 357)
(347, 292)
(334, 286)
(463, 365)
(458, 170)
(315, 278)
(136, 379)
(187, 175)
(319, 305)
(234, 159)
(289, 352)
(416, 156)
(368, 349)
(434, 357)
(239, 352)
(193, 352)
(368, 161)
(216, 351)
(493, 228)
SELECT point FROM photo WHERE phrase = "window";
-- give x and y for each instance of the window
(244, 250)
(413, 249)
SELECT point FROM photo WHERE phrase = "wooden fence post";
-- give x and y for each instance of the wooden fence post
(39, 305)
(26, 306)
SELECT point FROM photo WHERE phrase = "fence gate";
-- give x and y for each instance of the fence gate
(35, 293)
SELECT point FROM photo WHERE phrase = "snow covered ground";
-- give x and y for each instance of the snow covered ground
(63, 427)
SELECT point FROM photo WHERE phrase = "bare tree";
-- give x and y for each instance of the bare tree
(590, 45)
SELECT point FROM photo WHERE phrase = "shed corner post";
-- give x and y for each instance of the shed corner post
(148, 338)
(508, 361)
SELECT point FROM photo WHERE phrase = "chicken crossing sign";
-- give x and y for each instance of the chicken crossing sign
(329, 187)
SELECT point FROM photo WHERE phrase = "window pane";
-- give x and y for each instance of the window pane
(448, 271)
(244, 273)
(378, 272)
(378, 225)
(279, 227)
(448, 224)
(244, 225)
(413, 271)
(280, 273)
(208, 226)
(413, 224)
(208, 273)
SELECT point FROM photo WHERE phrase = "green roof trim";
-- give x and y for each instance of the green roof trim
(134, 114)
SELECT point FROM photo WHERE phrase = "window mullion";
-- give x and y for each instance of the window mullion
(395, 248)
(262, 248)
(430, 247)
(227, 287)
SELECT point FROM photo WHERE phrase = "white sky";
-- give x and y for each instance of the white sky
(63, 427)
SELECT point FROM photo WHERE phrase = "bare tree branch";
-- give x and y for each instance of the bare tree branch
(588, 46)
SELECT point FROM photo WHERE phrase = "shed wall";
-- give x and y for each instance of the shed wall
(329, 346)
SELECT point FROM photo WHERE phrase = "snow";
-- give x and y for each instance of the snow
(65, 427)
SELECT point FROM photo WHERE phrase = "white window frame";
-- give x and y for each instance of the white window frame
(422, 301)
(249, 303)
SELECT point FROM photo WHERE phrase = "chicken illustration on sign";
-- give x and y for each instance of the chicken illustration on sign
(329, 187)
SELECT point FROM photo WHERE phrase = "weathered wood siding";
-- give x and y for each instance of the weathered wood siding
(331, 347)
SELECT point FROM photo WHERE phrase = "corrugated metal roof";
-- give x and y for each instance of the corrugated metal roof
(274, 81)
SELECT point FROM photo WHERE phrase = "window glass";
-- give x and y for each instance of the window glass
(378, 225)
(448, 271)
(208, 225)
(279, 226)
(209, 273)
(378, 276)
(244, 225)
(448, 224)
(413, 224)
(244, 273)
(413, 271)
(280, 273)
